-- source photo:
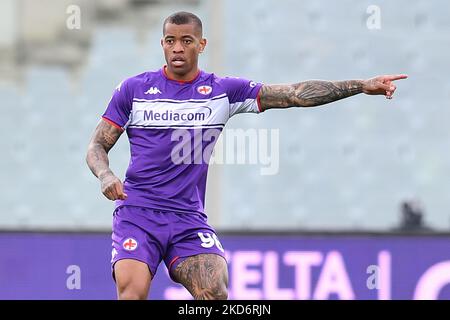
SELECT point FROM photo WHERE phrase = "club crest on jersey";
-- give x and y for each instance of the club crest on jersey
(205, 90)
(130, 244)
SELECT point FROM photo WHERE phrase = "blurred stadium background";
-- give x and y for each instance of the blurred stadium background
(361, 198)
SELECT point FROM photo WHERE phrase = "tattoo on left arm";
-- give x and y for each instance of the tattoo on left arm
(307, 94)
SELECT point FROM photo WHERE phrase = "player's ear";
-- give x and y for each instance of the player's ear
(162, 42)
(202, 45)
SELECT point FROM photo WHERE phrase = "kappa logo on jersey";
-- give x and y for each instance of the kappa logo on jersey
(252, 84)
(130, 244)
(153, 90)
(205, 90)
(113, 254)
(119, 86)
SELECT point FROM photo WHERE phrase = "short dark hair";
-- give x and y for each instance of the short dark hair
(183, 17)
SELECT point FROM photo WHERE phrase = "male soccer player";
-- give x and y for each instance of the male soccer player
(172, 116)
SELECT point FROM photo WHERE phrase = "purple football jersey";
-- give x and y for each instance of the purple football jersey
(172, 127)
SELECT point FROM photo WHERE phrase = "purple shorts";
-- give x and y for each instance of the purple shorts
(151, 236)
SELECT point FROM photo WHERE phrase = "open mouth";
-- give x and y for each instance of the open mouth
(178, 61)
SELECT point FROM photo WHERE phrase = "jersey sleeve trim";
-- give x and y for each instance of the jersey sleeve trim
(112, 123)
(258, 101)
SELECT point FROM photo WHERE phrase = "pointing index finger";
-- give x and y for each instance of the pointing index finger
(397, 77)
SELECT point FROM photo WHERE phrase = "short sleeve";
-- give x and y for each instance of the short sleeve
(243, 95)
(119, 107)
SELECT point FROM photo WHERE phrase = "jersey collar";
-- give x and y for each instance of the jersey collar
(164, 73)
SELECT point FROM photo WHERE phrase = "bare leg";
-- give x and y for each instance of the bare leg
(205, 276)
(133, 279)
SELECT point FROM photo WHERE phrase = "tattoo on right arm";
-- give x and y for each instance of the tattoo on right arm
(308, 93)
(104, 138)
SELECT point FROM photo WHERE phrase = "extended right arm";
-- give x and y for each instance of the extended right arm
(313, 93)
(104, 138)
